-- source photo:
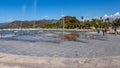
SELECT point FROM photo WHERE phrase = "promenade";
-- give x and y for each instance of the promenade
(96, 52)
(17, 61)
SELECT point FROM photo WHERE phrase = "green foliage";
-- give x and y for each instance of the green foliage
(69, 23)
(116, 22)
(72, 23)
(82, 17)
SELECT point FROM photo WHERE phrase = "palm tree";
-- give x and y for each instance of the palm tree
(94, 23)
(101, 19)
(82, 20)
(101, 23)
(107, 21)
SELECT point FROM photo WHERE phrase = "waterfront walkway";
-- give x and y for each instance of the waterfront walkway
(15, 61)
(69, 49)
(68, 54)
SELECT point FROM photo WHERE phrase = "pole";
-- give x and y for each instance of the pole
(63, 27)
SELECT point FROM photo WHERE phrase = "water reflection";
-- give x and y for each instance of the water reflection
(31, 35)
(47, 35)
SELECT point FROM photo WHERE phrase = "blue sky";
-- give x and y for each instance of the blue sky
(52, 9)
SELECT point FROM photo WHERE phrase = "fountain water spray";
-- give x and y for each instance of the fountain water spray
(35, 8)
(23, 12)
(63, 26)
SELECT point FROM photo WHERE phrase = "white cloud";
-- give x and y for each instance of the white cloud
(95, 17)
(117, 14)
(114, 16)
(105, 16)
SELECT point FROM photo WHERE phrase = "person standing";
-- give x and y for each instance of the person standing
(106, 30)
(98, 30)
(115, 31)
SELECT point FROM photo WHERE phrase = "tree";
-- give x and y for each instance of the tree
(116, 22)
(109, 24)
(107, 21)
(101, 23)
(94, 23)
(101, 19)
(72, 23)
(83, 20)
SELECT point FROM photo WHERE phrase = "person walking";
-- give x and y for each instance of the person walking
(103, 31)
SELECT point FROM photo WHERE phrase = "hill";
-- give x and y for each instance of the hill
(69, 22)
(27, 24)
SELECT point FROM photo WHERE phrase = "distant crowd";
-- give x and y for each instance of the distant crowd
(112, 30)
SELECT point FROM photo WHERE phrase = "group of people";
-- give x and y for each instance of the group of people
(105, 30)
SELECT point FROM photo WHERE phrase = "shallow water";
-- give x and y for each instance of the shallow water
(31, 35)
(43, 35)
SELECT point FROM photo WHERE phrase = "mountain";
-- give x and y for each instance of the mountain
(25, 24)
(70, 22)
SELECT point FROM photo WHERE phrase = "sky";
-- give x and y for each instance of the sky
(11, 10)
